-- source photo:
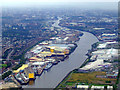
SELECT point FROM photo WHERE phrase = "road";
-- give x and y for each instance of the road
(9, 55)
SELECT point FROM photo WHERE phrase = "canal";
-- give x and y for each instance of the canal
(51, 78)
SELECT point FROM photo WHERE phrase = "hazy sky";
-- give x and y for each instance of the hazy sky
(12, 1)
(20, 2)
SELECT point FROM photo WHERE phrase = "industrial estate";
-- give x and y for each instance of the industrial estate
(100, 70)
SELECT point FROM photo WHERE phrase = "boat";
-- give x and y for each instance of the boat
(65, 57)
(55, 62)
(48, 66)
(40, 71)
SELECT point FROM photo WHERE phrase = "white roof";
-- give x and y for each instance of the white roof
(98, 52)
(106, 51)
(97, 87)
(112, 51)
(109, 86)
(82, 86)
(93, 65)
(108, 34)
(105, 64)
(38, 63)
(98, 28)
(51, 59)
(104, 56)
(102, 45)
(39, 47)
(66, 38)
(111, 42)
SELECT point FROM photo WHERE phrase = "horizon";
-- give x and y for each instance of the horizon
(82, 5)
(14, 3)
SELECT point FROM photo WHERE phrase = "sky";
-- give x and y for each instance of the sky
(20, 2)
(11, 1)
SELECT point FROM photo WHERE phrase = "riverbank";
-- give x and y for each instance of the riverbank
(68, 75)
(93, 73)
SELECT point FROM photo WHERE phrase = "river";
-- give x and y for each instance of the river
(56, 74)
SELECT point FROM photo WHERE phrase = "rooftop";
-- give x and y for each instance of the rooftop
(82, 86)
(21, 68)
(98, 87)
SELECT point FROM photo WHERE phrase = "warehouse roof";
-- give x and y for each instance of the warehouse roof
(82, 86)
(21, 68)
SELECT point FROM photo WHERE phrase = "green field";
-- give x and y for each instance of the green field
(87, 78)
